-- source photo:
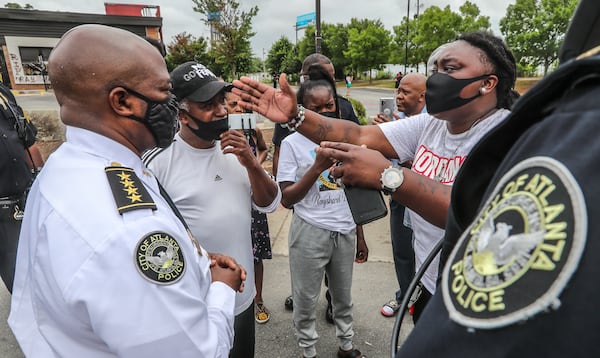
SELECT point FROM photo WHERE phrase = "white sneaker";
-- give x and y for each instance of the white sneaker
(390, 308)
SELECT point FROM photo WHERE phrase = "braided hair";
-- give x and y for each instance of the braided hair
(503, 63)
(318, 77)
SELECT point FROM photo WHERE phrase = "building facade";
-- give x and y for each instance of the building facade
(28, 36)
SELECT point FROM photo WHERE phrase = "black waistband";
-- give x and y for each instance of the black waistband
(9, 200)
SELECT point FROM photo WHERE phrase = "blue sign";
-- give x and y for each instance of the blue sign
(303, 21)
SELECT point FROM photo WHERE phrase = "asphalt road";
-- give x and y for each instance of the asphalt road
(369, 97)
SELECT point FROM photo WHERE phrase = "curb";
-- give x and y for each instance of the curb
(31, 92)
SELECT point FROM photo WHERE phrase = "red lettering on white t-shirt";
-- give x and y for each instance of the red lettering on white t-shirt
(434, 166)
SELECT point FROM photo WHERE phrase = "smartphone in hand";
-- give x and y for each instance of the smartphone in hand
(366, 205)
(387, 106)
(244, 121)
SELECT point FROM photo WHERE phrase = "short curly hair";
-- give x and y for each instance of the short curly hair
(502, 60)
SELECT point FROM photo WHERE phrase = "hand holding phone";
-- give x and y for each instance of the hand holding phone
(245, 121)
(387, 106)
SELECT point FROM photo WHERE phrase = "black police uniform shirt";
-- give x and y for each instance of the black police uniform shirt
(521, 254)
(16, 174)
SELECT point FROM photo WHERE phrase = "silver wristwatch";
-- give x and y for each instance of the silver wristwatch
(391, 179)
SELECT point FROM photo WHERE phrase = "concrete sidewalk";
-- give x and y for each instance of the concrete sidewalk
(374, 284)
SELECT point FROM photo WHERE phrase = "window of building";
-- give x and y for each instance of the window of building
(34, 59)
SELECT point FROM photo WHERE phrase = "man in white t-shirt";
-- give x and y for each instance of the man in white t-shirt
(215, 180)
(410, 101)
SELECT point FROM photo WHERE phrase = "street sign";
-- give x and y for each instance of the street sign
(303, 21)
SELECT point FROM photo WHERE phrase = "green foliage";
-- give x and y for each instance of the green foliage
(525, 70)
(234, 28)
(185, 47)
(368, 45)
(334, 42)
(360, 110)
(534, 29)
(14, 5)
(256, 65)
(280, 57)
(434, 27)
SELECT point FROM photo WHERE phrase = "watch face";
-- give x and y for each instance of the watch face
(392, 178)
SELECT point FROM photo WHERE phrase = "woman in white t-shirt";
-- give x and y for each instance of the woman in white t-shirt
(322, 235)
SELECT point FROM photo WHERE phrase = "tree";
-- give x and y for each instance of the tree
(534, 30)
(334, 42)
(434, 27)
(368, 45)
(14, 5)
(278, 57)
(186, 47)
(234, 30)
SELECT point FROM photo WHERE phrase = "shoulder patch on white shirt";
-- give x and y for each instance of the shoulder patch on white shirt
(159, 258)
(129, 192)
(522, 249)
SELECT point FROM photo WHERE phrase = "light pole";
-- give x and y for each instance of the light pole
(406, 41)
(417, 29)
(318, 27)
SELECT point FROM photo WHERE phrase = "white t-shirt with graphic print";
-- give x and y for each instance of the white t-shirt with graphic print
(325, 205)
(436, 154)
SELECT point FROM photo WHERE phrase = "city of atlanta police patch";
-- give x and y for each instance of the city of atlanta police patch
(158, 257)
(520, 251)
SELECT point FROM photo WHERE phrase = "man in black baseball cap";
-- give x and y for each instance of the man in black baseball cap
(195, 82)
(215, 180)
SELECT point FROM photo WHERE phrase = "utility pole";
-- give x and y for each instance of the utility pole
(406, 41)
(318, 27)
(416, 26)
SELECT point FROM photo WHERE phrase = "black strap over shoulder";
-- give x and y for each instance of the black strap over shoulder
(15, 115)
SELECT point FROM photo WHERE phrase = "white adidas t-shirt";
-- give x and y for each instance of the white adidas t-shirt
(436, 154)
(212, 191)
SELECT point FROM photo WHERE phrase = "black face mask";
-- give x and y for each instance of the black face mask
(160, 118)
(329, 114)
(443, 92)
(209, 130)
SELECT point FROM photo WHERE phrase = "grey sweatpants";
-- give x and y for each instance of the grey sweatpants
(312, 252)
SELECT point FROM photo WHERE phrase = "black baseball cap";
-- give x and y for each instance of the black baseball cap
(195, 82)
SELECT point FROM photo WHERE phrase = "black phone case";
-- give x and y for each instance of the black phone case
(366, 205)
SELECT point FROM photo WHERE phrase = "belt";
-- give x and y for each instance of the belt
(9, 200)
(10, 209)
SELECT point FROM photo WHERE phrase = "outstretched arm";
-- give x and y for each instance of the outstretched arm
(279, 105)
(362, 167)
